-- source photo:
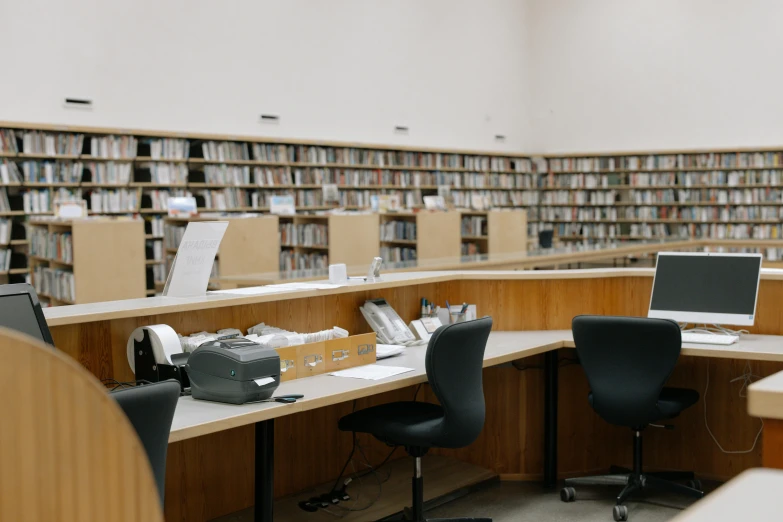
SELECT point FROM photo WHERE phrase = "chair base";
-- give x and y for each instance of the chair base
(633, 483)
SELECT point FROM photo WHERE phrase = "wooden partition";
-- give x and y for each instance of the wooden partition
(353, 239)
(212, 475)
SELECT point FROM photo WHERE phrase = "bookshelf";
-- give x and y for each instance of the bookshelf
(251, 245)
(316, 241)
(86, 260)
(406, 236)
(587, 198)
(493, 232)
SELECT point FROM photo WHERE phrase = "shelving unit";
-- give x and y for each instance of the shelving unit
(87, 260)
(420, 236)
(493, 232)
(695, 194)
(250, 246)
(316, 241)
(589, 198)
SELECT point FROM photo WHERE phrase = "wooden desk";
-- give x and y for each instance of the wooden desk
(211, 474)
(195, 418)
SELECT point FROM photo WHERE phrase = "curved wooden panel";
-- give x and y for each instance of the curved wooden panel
(67, 452)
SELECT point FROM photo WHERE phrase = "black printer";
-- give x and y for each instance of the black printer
(235, 371)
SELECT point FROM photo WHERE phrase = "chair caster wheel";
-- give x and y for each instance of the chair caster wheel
(620, 513)
(695, 484)
(568, 494)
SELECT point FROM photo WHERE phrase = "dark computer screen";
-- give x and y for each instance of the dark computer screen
(706, 284)
(17, 313)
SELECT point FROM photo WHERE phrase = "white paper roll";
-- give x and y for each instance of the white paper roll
(163, 338)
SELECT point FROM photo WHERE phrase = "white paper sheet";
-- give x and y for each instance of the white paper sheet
(382, 351)
(189, 274)
(264, 380)
(372, 372)
(251, 290)
(305, 286)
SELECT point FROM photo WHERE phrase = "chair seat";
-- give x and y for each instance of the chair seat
(397, 423)
(671, 401)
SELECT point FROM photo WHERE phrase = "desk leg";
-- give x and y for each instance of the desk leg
(550, 418)
(265, 471)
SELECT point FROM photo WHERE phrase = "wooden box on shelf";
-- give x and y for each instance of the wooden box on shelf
(106, 259)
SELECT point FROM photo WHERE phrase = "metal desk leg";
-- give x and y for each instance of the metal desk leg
(550, 418)
(265, 471)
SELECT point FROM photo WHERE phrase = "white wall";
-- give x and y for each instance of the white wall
(454, 71)
(664, 74)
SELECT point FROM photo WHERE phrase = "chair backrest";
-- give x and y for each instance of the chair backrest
(150, 409)
(454, 362)
(627, 361)
(67, 452)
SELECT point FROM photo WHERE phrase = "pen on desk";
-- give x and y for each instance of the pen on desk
(423, 307)
(464, 308)
(448, 309)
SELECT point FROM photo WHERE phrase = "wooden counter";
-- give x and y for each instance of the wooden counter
(212, 475)
(516, 260)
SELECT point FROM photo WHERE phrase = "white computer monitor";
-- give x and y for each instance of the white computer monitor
(695, 287)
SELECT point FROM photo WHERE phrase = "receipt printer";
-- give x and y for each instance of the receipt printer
(234, 371)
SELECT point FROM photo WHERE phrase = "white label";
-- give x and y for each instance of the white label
(283, 205)
(181, 207)
(70, 209)
(263, 381)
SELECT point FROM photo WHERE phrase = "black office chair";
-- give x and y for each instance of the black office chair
(150, 409)
(627, 361)
(454, 361)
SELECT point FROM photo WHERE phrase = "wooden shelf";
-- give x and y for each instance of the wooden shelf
(50, 260)
(113, 212)
(399, 241)
(148, 159)
(19, 271)
(669, 221)
(87, 157)
(90, 184)
(665, 204)
(150, 236)
(475, 238)
(678, 169)
(155, 184)
(46, 184)
(313, 247)
(55, 157)
(150, 262)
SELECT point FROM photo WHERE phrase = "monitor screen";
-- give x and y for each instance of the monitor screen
(712, 288)
(17, 313)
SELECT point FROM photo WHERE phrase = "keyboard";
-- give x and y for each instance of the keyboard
(705, 338)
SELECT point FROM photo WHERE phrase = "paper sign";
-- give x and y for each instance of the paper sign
(283, 205)
(331, 193)
(434, 203)
(181, 207)
(190, 271)
(70, 208)
(385, 203)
